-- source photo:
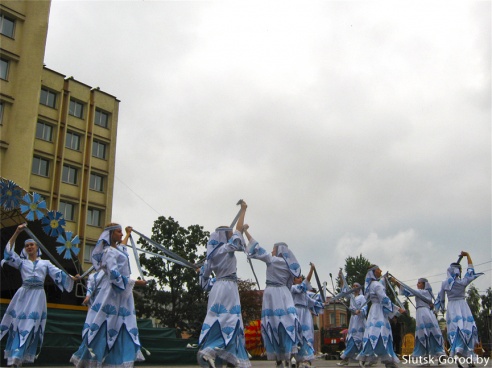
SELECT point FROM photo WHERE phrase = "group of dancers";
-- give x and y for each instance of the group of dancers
(110, 333)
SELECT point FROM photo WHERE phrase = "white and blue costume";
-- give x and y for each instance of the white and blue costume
(305, 303)
(279, 322)
(377, 342)
(428, 337)
(356, 327)
(222, 335)
(110, 333)
(462, 331)
(25, 317)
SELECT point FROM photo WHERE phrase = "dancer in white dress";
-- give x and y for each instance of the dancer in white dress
(304, 305)
(110, 333)
(462, 330)
(377, 343)
(429, 342)
(279, 322)
(222, 338)
(25, 318)
(358, 310)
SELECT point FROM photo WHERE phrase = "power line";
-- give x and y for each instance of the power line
(444, 273)
(143, 200)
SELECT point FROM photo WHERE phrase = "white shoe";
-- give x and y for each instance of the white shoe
(343, 362)
(209, 360)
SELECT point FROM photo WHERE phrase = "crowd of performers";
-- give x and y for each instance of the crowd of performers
(110, 333)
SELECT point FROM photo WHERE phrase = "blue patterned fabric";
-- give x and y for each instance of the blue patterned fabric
(222, 335)
(25, 318)
(110, 330)
(280, 326)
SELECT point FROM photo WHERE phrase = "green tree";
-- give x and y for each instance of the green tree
(172, 289)
(481, 308)
(355, 269)
(485, 317)
(474, 301)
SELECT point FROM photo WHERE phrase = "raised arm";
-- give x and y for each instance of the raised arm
(467, 255)
(240, 221)
(128, 231)
(19, 229)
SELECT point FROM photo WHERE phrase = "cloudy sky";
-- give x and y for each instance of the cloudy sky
(349, 127)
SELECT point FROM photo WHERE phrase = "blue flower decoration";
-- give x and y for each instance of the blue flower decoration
(109, 309)
(228, 330)
(94, 327)
(218, 309)
(53, 223)
(96, 307)
(134, 331)
(10, 194)
(3, 328)
(34, 316)
(123, 312)
(279, 312)
(69, 245)
(205, 327)
(35, 206)
(112, 333)
(235, 310)
(292, 310)
(23, 333)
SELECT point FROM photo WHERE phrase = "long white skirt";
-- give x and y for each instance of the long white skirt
(279, 323)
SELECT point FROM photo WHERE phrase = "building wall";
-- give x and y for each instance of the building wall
(41, 124)
(19, 92)
(340, 312)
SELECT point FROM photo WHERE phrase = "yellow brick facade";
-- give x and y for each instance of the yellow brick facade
(57, 134)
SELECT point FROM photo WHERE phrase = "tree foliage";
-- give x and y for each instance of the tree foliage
(481, 308)
(173, 294)
(356, 269)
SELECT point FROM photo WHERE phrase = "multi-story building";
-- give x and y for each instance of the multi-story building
(57, 134)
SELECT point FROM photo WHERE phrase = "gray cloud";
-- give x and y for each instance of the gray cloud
(348, 127)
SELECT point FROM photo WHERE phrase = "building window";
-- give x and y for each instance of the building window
(343, 320)
(44, 131)
(333, 319)
(68, 210)
(99, 149)
(69, 174)
(4, 69)
(1, 112)
(40, 166)
(7, 26)
(76, 109)
(101, 118)
(47, 98)
(94, 217)
(97, 182)
(72, 141)
(88, 252)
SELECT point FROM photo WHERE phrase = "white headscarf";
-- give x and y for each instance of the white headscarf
(24, 255)
(289, 257)
(103, 242)
(219, 238)
(427, 286)
(370, 277)
(454, 271)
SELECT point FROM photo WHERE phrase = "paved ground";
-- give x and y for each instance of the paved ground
(317, 363)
